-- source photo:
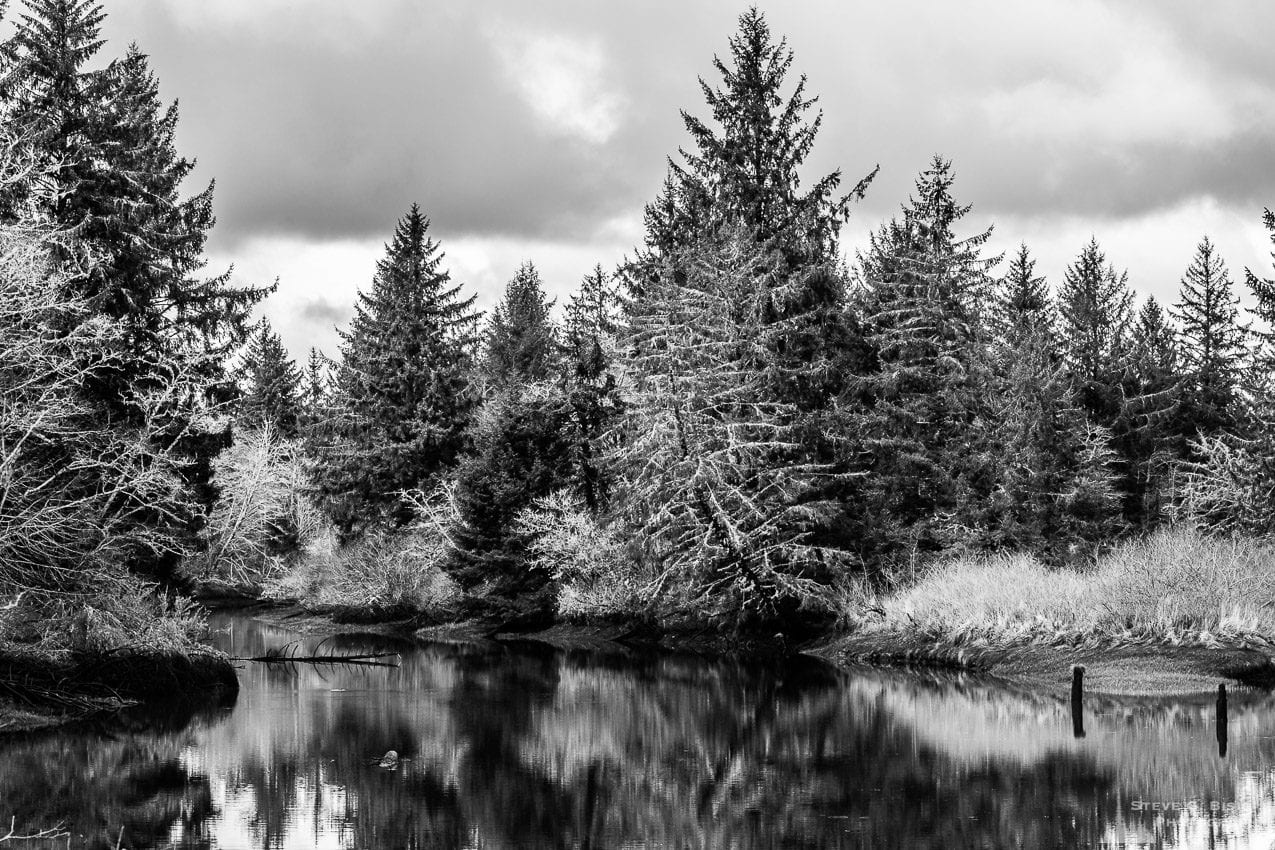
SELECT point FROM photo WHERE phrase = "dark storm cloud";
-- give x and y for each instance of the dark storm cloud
(548, 122)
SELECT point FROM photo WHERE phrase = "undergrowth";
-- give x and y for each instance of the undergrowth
(1177, 586)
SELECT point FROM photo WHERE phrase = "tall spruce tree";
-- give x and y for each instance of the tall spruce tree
(593, 321)
(916, 411)
(1154, 439)
(740, 181)
(272, 392)
(744, 172)
(403, 393)
(521, 344)
(521, 449)
(1210, 343)
(1022, 305)
(130, 245)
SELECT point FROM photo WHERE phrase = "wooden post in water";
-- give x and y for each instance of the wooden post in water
(1077, 701)
(1221, 720)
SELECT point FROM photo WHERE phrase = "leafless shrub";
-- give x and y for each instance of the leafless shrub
(263, 517)
(80, 497)
(385, 569)
(596, 577)
(1230, 489)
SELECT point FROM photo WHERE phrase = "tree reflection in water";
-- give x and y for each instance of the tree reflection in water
(524, 746)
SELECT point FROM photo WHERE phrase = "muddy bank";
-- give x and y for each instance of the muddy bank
(1142, 670)
(1133, 671)
(38, 692)
(619, 634)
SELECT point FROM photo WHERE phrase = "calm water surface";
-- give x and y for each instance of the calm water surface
(520, 746)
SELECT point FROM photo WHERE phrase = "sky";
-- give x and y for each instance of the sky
(538, 131)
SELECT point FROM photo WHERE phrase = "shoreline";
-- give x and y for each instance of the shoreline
(1116, 670)
(1120, 670)
(38, 693)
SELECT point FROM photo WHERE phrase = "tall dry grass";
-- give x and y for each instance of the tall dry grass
(1178, 586)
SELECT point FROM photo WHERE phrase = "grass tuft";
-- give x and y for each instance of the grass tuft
(1177, 586)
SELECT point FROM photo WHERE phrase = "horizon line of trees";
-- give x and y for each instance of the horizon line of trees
(761, 421)
(733, 425)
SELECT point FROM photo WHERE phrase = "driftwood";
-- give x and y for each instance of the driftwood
(43, 835)
(288, 655)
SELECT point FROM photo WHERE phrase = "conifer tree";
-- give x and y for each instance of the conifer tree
(917, 408)
(316, 388)
(271, 397)
(1022, 304)
(742, 170)
(592, 329)
(130, 245)
(403, 396)
(719, 482)
(1054, 494)
(1232, 484)
(595, 310)
(521, 344)
(1120, 367)
(1263, 290)
(1211, 343)
(1095, 311)
(53, 100)
(106, 142)
(1154, 439)
(740, 177)
(521, 447)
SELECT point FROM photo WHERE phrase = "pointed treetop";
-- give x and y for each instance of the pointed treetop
(744, 170)
(272, 394)
(1023, 305)
(1264, 289)
(521, 338)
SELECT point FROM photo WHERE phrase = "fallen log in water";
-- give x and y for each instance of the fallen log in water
(287, 655)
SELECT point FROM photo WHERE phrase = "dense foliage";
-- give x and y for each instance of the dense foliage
(113, 344)
(738, 425)
(731, 429)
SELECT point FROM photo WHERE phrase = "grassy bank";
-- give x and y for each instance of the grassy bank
(67, 658)
(1178, 609)
(1193, 606)
(1177, 587)
(38, 692)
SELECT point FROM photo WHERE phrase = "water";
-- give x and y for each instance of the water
(521, 746)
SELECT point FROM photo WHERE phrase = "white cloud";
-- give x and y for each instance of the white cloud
(1143, 89)
(336, 22)
(562, 79)
(317, 284)
(319, 280)
(1155, 249)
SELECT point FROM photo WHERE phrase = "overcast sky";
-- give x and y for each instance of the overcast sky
(538, 130)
